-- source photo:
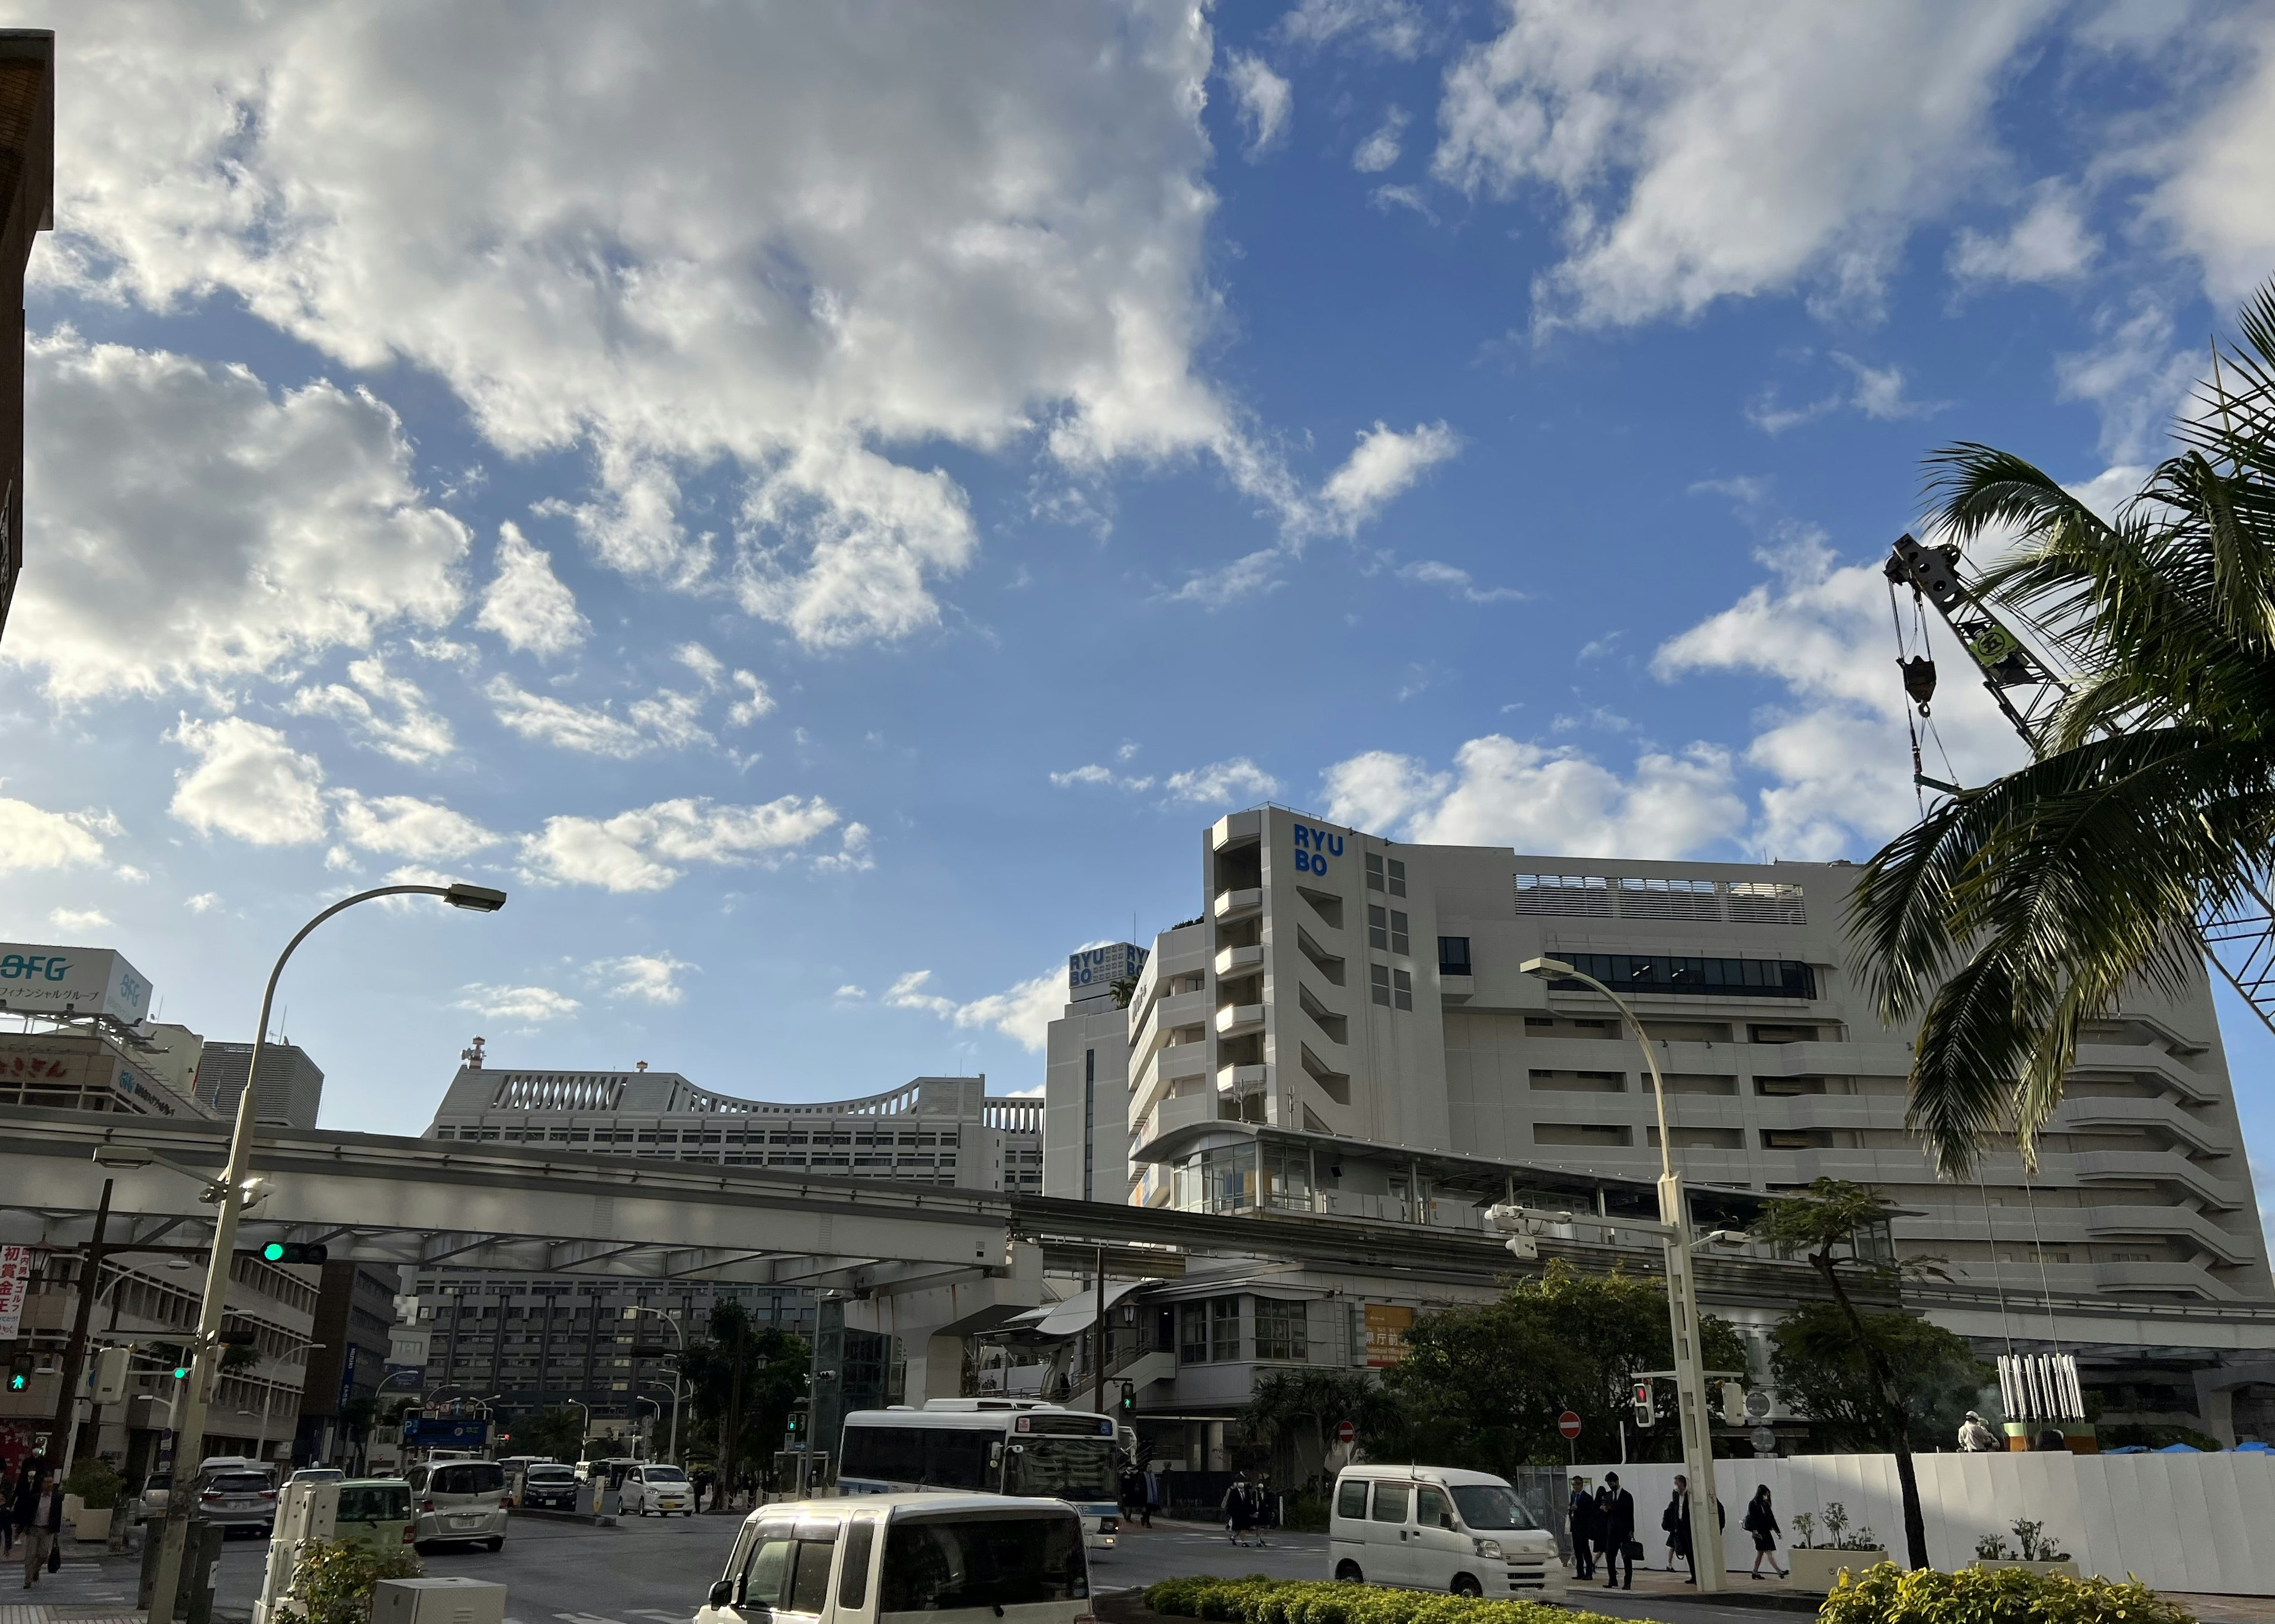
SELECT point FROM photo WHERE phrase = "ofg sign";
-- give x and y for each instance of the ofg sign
(84, 980)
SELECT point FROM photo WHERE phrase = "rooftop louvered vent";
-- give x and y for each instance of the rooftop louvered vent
(1602, 896)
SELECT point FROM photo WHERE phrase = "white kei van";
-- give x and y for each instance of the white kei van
(1438, 1528)
(899, 1558)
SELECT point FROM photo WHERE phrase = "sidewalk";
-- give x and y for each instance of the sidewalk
(93, 1587)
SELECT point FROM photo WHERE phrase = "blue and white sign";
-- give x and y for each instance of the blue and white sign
(1095, 970)
(445, 1432)
(84, 980)
(1314, 847)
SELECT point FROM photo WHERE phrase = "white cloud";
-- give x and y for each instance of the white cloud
(1391, 26)
(2049, 243)
(413, 733)
(772, 249)
(530, 1005)
(1837, 751)
(2134, 374)
(525, 603)
(756, 701)
(1023, 1014)
(2227, 156)
(644, 977)
(1379, 151)
(852, 854)
(1459, 582)
(1265, 101)
(241, 531)
(1707, 152)
(649, 847)
(1245, 577)
(851, 993)
(204, 901)
(664, 721)
(79, 919)
(32, 837)
(405, 826)
(249, 782)
(1095, 776)
(1385, 463)
(1238, 779)
(1876, 391)
(1501, 792)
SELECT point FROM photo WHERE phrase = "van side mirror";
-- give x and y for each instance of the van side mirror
(722, 1593)
(1445, 1519)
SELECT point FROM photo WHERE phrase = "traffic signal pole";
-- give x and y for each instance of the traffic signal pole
(60, 1440)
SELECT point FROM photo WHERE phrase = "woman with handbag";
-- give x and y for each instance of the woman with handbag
(1761, 1522)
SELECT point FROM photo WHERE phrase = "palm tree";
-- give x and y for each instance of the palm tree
(2012, 915)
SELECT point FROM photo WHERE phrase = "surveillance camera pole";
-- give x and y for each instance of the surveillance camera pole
(1682, 1307)
(231, 1189)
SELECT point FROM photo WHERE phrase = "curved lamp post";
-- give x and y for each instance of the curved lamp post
(231, 1192)
(1682, 1303)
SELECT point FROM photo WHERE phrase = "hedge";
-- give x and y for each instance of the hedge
(1886, 1594)
(1259, 1600)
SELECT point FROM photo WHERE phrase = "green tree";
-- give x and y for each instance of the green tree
(1290, 1407)
(559, 1431)
(2012, 915)
(1483, 1387)
(742, 1380)
(1841, 1228)
(1823, 1372)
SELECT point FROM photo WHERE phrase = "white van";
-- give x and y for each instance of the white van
(458, 1502)
(900, 1559)
(1438, 1528)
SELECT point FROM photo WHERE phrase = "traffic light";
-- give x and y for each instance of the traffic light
(1647, 1413)
(112, 1367)
(293, 1251)
(19, 1374)
(1128, 1398)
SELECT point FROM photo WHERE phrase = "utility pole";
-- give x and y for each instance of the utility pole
(1098, 1342)
(90, 1282)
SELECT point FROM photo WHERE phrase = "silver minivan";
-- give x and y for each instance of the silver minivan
(896, 1558)
(1439, 1528)
(458, 1502)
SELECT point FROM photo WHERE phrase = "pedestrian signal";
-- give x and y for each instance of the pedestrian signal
(1647, 1413)
(20, 1376)
(293, 1251)
(1129, 1398)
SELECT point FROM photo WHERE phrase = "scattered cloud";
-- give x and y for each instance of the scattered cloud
(667, 719)
(756, 701)
(79, 919)
(204, 901)
(1023, 1014)
(248, 783)
(641, 977)
(1266, 101)
(1385, 465)
(1246, 576)
(412, 732)
(1395, 27)
(1100, 777)
(1238, 779)
(2048, 243)
(527, 1006)
(1459, 582)
(650, 847)
(851, 993)
(2134, 374)
(1501, 792)
(405, 826)
(525, 603)
(2227, 153)
(32, 837)
(1709, 153)
(246, 531)
(1876, 391)
(1379, 151)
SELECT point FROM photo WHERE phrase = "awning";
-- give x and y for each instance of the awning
(1074, 1316)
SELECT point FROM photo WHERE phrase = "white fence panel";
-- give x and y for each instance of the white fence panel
(2190, 1523)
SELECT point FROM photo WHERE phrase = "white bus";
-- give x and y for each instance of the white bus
(1036, 1451)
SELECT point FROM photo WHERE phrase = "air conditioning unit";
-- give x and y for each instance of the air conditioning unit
(438, 1601)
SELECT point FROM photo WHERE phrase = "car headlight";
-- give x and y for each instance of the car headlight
(1489, 1548)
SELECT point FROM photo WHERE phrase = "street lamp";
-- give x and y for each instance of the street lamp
(229, 1192)
(1674, 1229)
(679, 1332)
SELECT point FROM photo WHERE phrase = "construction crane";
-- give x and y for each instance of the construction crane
(2240, 941)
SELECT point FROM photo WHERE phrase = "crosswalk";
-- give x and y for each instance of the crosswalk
(657, 1615)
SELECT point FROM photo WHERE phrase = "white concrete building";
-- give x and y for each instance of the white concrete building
(1085, 1075)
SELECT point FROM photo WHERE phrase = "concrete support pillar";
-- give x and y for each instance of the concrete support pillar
(931, 1322)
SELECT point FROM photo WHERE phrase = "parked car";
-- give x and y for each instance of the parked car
(1438, 1528)
(318, 1474)
(653, 1487)
(374, 1512)
(152, 1500)
(233, 1499)
(547, 1485)
(458, 1502)
(955, 1559)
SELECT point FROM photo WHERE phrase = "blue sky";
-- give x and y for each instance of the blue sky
(826, 504)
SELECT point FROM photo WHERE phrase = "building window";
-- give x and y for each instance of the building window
(1374, 871)
(1402, 989)
(1454, 957)
(1192, 1345)
(1382, 974)
(1224, 1329)
(1710, 978)
(1280, 1331)
(1385, 874)
(1385, 929)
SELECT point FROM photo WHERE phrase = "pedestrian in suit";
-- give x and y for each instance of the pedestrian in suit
(7, 1509)
(1677, 1521)
(39, 1516)
(1615, 1518)
(1581, 1514)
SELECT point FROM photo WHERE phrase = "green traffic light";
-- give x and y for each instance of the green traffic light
(274, 1252)
(18, 1381)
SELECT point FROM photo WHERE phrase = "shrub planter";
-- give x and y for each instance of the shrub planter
(91, 1524)
(1817, 1568)
(2063, 1569)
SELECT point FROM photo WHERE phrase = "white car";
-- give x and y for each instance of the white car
(458, 1502)
(953, 1558)
(1438, 1528)
(652, 1488)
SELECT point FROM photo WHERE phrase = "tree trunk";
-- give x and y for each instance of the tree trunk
(1895, 1426)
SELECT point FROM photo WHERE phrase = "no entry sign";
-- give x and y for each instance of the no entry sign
(1345, 1432)
(1569, 1425)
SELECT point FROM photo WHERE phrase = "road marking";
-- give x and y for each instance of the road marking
(656, 1612)
(583, 1617)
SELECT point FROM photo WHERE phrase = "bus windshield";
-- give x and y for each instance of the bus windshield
(1071, 1468)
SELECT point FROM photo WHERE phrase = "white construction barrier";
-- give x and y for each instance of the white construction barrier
(2197, 1522)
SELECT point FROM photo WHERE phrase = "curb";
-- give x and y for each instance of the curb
(591, 1519)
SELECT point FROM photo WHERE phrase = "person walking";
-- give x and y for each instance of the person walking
(1580, 1513)
(1677, 1513)
(1152, 1492)
(1671, 1523)
(39, 1516)
(1761, 1522)
(7, 1509)
(1616, 1523)
(1976, 1436)
(1239, 1509)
